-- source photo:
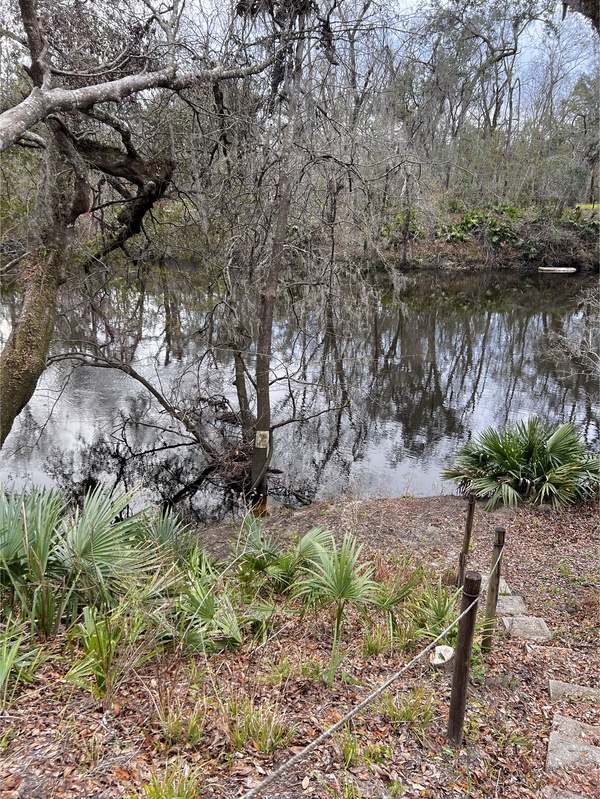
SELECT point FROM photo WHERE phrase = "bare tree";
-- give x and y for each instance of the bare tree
(292, 134)
(70, 103)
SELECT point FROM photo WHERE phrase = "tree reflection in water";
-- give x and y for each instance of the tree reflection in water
(383, 391)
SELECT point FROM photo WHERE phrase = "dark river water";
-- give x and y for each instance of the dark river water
(387, 387)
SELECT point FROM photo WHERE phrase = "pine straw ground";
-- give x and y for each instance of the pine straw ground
(57, 741)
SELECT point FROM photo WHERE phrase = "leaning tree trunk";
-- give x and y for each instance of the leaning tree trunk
(62, 197)
(65, 195)
(24, 356)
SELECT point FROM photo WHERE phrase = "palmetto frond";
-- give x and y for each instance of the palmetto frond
(256, 550)
(529, 461)
(28, 522)
(312, 542)
(170, 533)
(98, 542)
(336, 576)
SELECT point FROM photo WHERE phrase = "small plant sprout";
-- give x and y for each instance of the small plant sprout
(392, 593)
(376, 641)
(181, 724)
(350, 747)
(100, 635)
(16, 663)
(178, 781)
(257, 723)
(415, 710)
(433, 611)
(336, 578)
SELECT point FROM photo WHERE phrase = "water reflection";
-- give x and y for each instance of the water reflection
(404, 382)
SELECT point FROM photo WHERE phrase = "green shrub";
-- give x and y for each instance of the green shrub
(258, 724)
(528, 462)
(169, 533)
(27, 524)
(177, 781)
(462, 230)
(207, 617)
(391, 593)
(415, 710)
(395, 228)
(495, 227)
(33, 577)
(586, 224)
(263, 565)
(54, 560)
(336, 578)
(100, 633)
(15, 662)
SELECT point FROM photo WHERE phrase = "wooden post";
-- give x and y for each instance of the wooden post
(493, 590)
(460, 677)
(462, 561)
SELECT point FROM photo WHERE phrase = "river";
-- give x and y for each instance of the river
(385, 386)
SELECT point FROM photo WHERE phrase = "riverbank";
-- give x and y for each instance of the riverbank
(501, 238)
(198, 720)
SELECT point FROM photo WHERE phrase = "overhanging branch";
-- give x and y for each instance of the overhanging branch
(44, 101)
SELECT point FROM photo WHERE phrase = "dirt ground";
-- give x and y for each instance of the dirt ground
(57, 741)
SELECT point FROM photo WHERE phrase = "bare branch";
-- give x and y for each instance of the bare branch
(107, 363)
(10, 35)
(37, 43)
(43, 101)
(119, 125)
(325, 411)
(30, 139)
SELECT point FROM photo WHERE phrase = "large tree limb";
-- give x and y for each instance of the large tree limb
(36, 41)
(46, 98)
(23, 358)
(151, 176)
(41, 102)
(101, 362)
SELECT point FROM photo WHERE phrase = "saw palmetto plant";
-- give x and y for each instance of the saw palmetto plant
(530, 462)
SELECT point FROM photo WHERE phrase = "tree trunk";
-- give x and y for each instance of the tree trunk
(262, 449)
(23, 358)
(62, 197)
(262, 444)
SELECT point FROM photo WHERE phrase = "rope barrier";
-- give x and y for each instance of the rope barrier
(293, 761)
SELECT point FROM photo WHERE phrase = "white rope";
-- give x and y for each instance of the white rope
(253, 792)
